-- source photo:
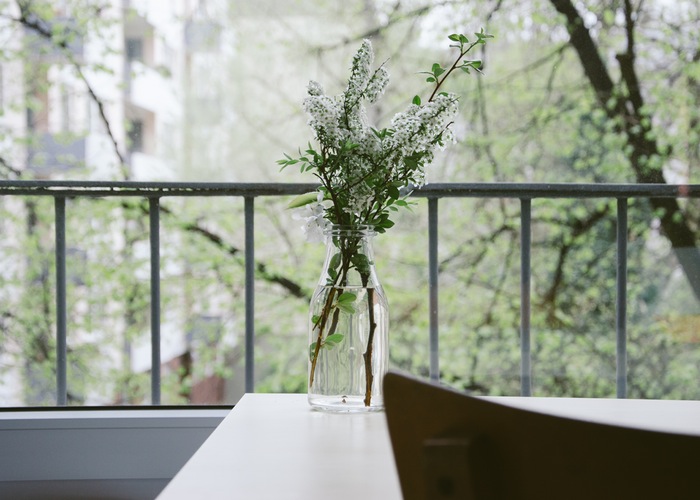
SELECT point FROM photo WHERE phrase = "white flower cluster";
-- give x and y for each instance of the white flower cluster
(342, 119)
(377, 84)
(363, 84)
(360, 72)
(324, 114)
(417, 128)
(314, 88)
(422, 129)
(356, 159)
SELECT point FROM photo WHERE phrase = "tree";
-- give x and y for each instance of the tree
(624, 104)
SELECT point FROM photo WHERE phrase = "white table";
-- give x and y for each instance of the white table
(276, 447)
(273, 446)
(681, 417)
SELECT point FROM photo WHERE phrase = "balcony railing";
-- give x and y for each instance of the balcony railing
(525, 193)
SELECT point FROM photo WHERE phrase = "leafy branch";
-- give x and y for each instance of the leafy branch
(438, 74)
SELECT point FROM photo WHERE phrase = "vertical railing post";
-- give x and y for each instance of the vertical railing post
(154, 220)
(621, 305)
(433, 287)
(61, 314)
(249, 214)
(525, 273)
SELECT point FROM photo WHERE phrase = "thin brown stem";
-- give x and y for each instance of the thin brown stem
(319, 341)
(369, 375)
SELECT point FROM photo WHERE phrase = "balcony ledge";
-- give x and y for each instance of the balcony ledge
(100, 453)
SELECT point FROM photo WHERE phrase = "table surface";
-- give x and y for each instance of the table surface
(273, 446)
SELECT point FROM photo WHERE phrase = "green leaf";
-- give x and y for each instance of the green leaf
(315, 319)
(332, 274)
(361, 262)
(346, 307)
(347, 297)
(454, 37)
(312, 350)
(437, 70)
(416, 100)
(335, 261)
(412, 161)
(303, 199)
(393, 192)
(381, 134)
(334, 339)
(482, 36)
(349, 145)
(430, 79)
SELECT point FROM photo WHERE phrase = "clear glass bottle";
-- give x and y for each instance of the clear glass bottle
(348, 326)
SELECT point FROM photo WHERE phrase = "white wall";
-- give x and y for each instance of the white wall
(105, 454)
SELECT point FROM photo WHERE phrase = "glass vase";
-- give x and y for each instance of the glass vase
(348, 326)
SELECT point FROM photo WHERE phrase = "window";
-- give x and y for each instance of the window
(135, 136)
(65, 109)
(134, 49)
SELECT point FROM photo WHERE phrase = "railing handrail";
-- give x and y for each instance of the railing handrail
(440, 189)
(150, 189)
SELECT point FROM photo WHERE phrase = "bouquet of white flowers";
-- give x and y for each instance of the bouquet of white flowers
(362, 168)
(365, 173)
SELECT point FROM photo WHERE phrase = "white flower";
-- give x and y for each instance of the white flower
(324, 113)
(361, 65)
(417, 128)
(314, 88)
(377, 84)
(315, 224)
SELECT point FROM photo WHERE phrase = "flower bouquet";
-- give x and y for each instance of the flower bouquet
(365, 175)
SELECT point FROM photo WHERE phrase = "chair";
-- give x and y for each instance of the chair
(450, 445)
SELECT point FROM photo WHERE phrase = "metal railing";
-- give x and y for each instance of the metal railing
(154, 191)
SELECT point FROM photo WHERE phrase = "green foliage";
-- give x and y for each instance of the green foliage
(464, 47)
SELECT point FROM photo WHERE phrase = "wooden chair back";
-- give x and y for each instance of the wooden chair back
(448, 445)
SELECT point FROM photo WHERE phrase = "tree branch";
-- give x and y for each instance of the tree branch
(293, 288)
(30, 20)
(637, 129)
(579, 227)
(12, 170)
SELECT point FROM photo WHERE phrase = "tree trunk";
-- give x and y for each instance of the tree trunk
(636, 127)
